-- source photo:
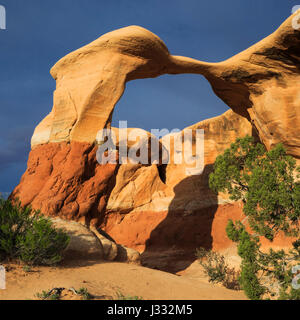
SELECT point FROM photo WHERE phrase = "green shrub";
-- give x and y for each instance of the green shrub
(264, 275)
(84, 293)
(267, 184)
(217, 270)
(14, 223)
(26, 235)
(56, 294)
(48, 295)
(213, 264)
(53, 294)
(264, 181)
(42, 244)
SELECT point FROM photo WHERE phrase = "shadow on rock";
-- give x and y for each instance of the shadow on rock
(172, 244)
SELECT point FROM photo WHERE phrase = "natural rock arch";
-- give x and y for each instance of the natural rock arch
(63, 178)
(261, 83)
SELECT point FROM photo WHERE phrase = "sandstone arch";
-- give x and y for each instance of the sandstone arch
(91, 80)
(63, 178)
(261, 83)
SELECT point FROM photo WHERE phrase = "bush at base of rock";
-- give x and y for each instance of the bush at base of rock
(217, 270)
(26, 235)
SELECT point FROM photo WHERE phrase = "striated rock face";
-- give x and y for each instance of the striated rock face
(150, 207)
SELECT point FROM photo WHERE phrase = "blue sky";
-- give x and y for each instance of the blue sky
(41, 32)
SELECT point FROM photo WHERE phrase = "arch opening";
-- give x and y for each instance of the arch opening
(171, 102)
(167, 102)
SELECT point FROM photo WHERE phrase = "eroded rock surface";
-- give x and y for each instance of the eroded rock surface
(83, 243)
(90, 244)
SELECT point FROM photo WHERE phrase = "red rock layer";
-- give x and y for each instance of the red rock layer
(168, 240)
(65, 180)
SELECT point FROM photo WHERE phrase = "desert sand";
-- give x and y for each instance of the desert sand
(104, 280)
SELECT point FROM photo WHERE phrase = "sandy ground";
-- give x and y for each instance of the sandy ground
(105, 279)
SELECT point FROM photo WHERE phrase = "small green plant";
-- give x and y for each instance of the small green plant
(83, 292)
(217, 270)
(42, 295)
(53, 294)
(121, 296)
(26, 235)
(213, 264)
(26, 268)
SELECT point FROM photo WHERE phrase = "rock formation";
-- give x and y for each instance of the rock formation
(156, 206)
(90, 244)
